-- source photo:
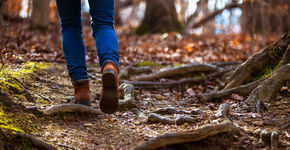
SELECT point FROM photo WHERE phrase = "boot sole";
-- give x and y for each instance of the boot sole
(109, 100)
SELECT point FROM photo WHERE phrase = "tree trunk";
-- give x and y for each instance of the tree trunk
(117, 17)
(273, 17)
(40, 14)
(160, 16)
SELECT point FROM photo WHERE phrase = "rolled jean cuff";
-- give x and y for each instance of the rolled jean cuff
(79, 78)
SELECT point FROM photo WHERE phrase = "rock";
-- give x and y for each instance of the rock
(258, 123)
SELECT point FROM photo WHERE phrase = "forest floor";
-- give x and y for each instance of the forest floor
(124, 129)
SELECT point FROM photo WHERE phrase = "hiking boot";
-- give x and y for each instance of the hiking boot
(82, 92)
(110, 92)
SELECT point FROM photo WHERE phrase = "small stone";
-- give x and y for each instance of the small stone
(258, 123)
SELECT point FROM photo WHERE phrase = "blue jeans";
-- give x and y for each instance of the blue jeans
(102, 14)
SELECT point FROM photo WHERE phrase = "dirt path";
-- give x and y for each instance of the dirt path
(126, 130)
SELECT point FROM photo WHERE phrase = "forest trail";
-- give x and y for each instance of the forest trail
(158, 114)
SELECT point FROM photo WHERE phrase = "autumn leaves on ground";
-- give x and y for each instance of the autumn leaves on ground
(178, 90)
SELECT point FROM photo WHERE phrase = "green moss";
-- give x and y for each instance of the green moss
(178, 65)
(266, 72)
(148, 63)
(7, 123)
(11, 79)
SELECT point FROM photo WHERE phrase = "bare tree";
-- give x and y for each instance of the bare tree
(160, 16)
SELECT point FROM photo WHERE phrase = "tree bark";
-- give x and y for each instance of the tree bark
(160, 16)
(40, 14)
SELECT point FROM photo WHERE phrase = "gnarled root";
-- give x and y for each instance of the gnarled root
(195, 136)
(154, 118)
(176, 71)
(268, 89)
(258, 61)
(63, 108)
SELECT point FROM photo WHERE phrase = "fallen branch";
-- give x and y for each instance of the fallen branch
(177, 71)
(154, 118)
(196, 135)
(63, 108)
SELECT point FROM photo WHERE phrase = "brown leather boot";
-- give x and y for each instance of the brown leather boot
(110, 92)
(82, 92)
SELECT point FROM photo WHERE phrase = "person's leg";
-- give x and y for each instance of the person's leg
(74, 49)
(72, 41)
(102, 13)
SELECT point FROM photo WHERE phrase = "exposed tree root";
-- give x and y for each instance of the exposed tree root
(63, 108)
(172, 110)
(268, 89)
(177, 84)
(127, 101)
(129, 71)
(241, 90)
(170, 84)
(198, 135)
(258, 61)
(227, 63)
(154, 118)
(177, 71)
